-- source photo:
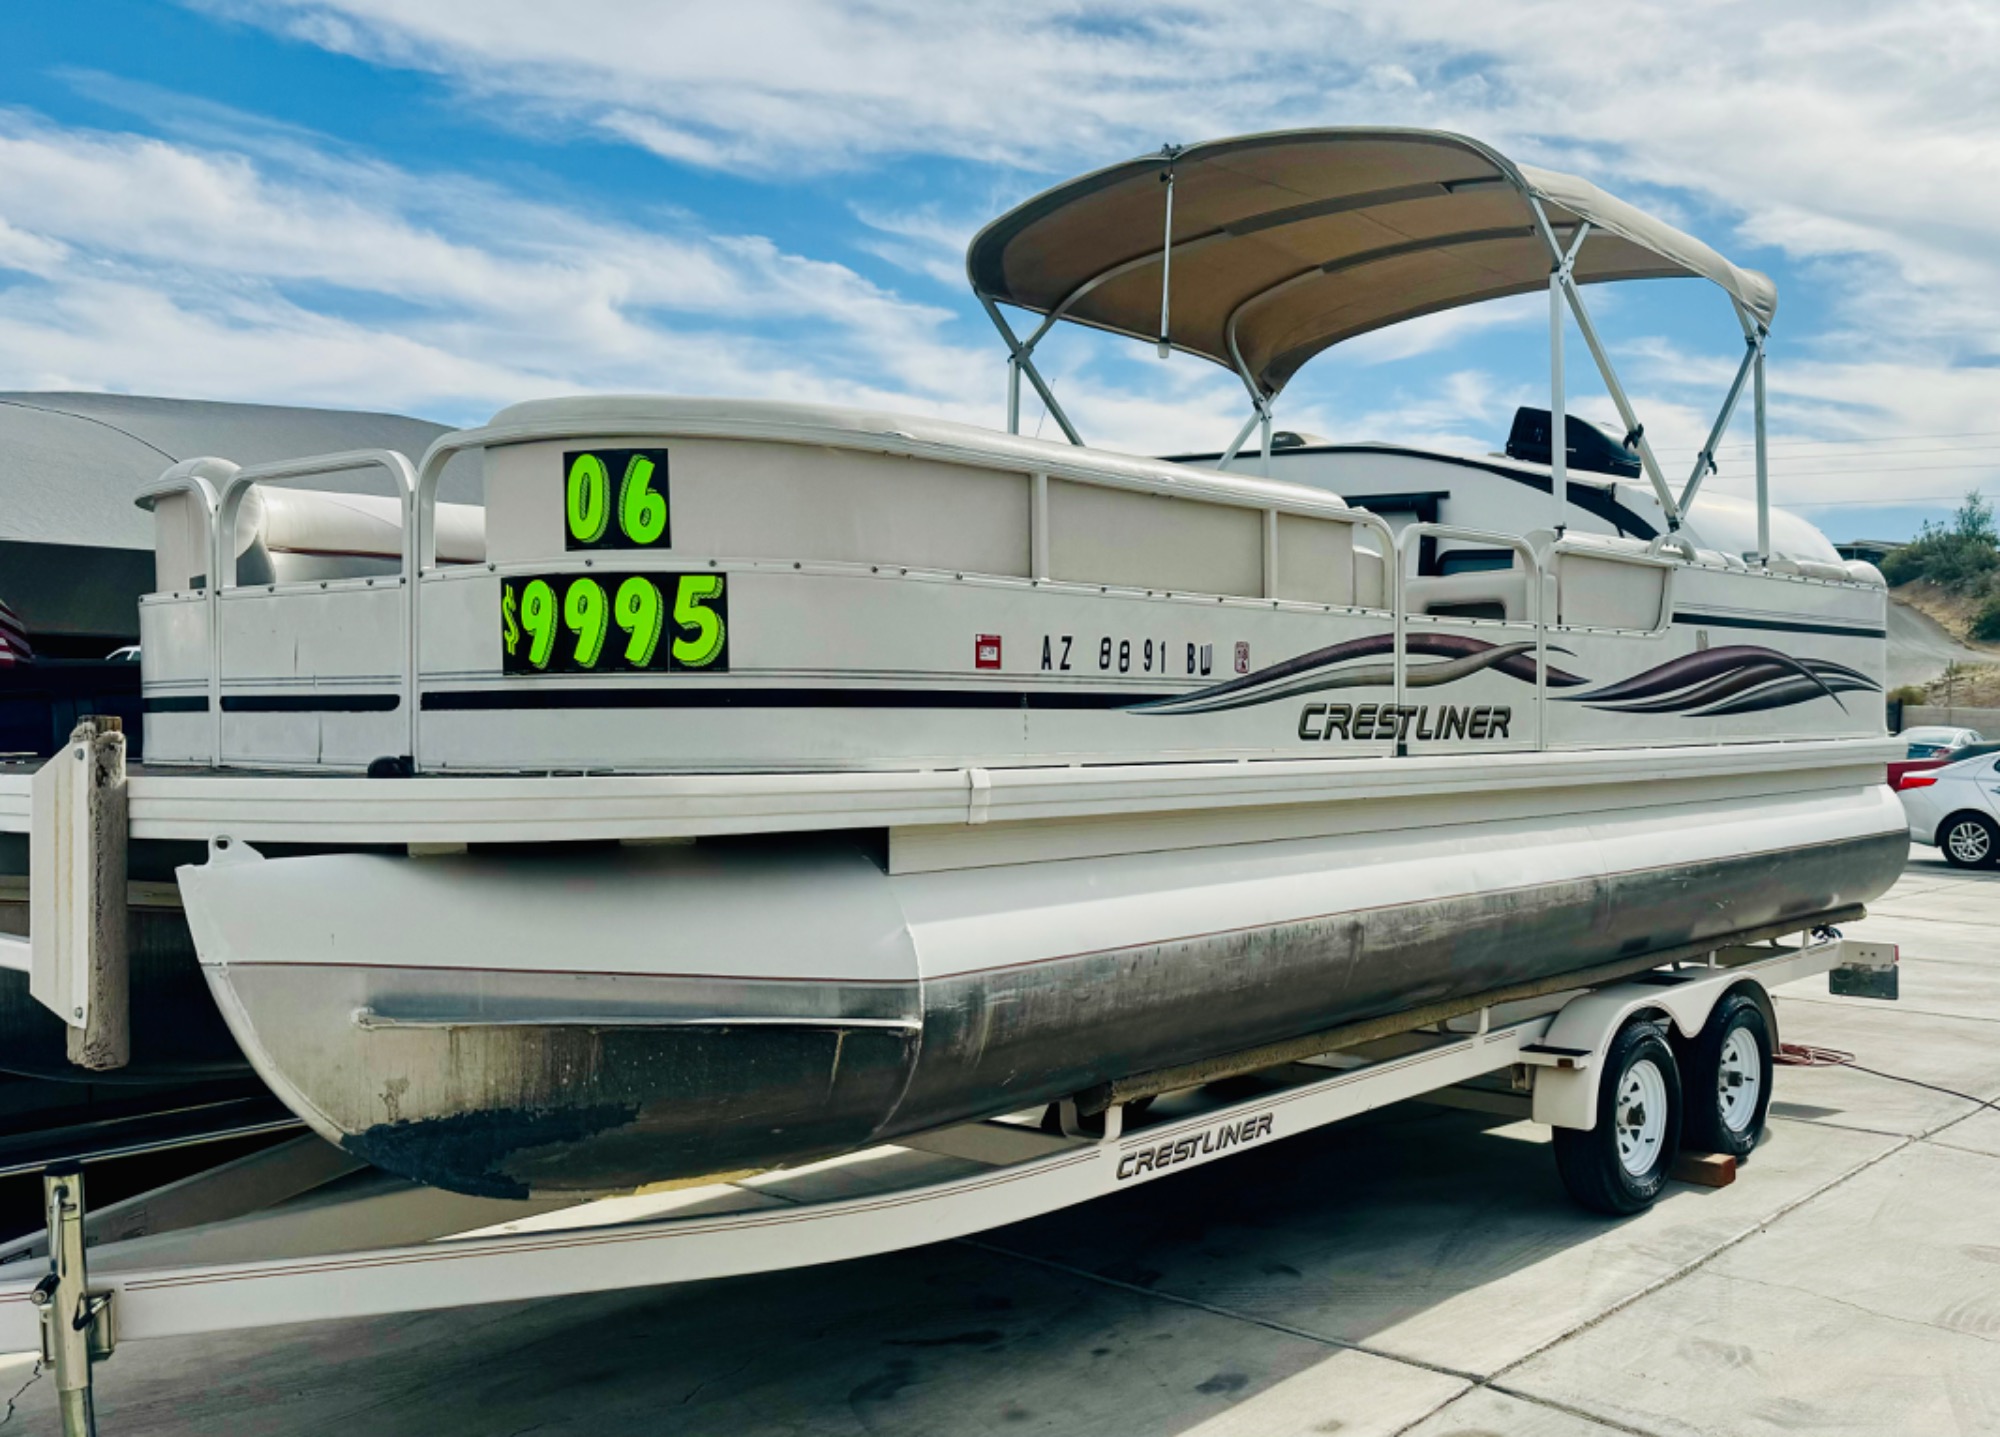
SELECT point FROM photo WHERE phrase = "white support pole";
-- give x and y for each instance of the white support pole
(1264, 419)
(1704, 462)
(1763, 465)
(1013, 395)
(1565, 262)
(1025, 364)
(1242, 437)
(1558, 408)
(1167, 257)
(1635, 432)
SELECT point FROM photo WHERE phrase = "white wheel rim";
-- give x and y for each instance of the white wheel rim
(1969, 842)
(1640, 1118)
(1739, 1080)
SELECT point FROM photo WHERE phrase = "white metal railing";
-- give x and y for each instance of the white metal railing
(421, 551)
(194, 478)
(416, 492)
(1537, 606)
(222, 563)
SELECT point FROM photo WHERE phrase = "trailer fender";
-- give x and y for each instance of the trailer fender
(1565, 1091)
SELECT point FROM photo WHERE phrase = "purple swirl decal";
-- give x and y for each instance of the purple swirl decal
(1739, 678)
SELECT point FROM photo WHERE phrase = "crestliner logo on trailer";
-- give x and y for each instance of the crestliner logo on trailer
(1212, 1140)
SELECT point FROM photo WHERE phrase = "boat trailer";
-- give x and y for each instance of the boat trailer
(333, 1239)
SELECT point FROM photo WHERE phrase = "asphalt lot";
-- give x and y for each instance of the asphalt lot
(1419, 1271)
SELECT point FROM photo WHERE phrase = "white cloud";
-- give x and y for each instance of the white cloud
(922, 241)
(1827, 128)
(197, 271)
(1860, 144)
(787, 81)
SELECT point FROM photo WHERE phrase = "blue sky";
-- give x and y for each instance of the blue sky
(443, 206)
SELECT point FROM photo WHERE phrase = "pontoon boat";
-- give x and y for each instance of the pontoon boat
(743, 783)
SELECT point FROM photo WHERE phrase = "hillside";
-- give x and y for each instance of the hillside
(1952, 610)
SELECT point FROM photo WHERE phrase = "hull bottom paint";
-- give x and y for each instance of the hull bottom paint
(594, 1020)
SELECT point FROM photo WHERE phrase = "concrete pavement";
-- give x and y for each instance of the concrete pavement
(1415, 1272)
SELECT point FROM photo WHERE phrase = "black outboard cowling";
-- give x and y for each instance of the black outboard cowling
(1590, 448)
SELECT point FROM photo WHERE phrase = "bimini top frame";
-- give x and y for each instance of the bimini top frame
(1261, 251)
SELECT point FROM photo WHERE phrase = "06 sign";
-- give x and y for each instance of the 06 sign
(616, 499)
(614, 623)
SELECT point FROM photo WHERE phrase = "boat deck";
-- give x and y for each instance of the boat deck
(334, 808)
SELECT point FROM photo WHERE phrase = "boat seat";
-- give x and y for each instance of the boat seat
(301, 535)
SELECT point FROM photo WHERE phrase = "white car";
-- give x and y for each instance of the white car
(1929, 742)
(1957, 809)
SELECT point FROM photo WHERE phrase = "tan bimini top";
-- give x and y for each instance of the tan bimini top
(1285, 244)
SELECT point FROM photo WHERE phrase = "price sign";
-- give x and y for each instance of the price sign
(614, 623)
(616, 499)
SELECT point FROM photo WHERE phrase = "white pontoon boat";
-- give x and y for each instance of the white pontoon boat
(747, 782)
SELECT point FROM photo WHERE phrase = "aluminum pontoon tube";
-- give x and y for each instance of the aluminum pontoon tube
(596, 1019)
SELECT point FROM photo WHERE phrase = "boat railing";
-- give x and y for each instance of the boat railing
(1535, 604)
(329, 670)
(423, 560)
(355, 596)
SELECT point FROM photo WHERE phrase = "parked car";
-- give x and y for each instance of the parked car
(1956, 809)
(1932, 740)
(1934, 747)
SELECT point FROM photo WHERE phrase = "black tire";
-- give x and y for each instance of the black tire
(1716, 1068)
(1594, 1165)
(1969, 840)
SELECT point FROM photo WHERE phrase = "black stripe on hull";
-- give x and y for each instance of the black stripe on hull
(1781, 626)
(307, 703)
(313, 703)
(698, 696)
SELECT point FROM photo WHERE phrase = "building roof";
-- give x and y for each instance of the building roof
(70, 464)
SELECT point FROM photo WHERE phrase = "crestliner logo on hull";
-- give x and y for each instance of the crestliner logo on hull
(1212, 1140)
(1403, 722)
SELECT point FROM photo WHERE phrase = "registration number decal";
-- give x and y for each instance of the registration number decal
(614, 623)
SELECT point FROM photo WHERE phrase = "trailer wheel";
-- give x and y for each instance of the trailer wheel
(1728, 1077)
(1620, 1165)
